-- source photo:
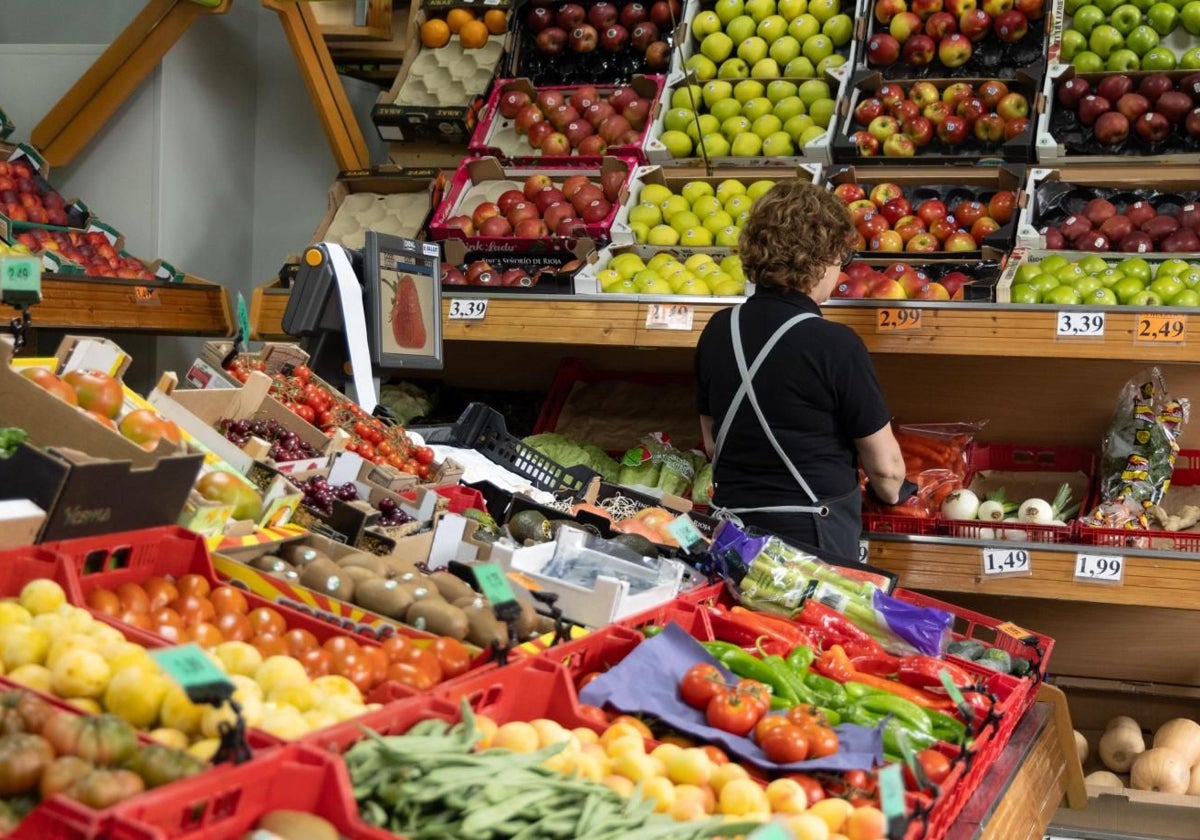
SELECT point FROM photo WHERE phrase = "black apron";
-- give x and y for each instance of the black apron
(838, 520)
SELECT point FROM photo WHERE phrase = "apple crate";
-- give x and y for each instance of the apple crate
(916, 184)
(677, 179)
(816, 150)
(386, 199)
(499, 136)
(870, 86)
(1063, 139)
(1054, 196)
(1023, 256)
(543, 273)
(588, 282)
(990, 56)
(601, 64)
(853, 9)
(480, 180)
(1167, 30)
(971, 280)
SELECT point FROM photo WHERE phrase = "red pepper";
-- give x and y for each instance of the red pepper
(880, 666)
(979, 702)
(742, 626)
(834, 623)
(836, 665)
(925, 672)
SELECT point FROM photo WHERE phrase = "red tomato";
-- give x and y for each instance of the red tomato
(733, 712)
(234, 627)
(305, 412)
(394, 647)
(935, 764)
(267, 620)
(767, 724)
(316, 662)
(160, 591)
(299, 640)
(821, 742)
(104, 602)
(812, 788)
(377, 663)
(715, 754)
(226, 599)
(48, 381)
(408, 674)
(701, 684)
(785, 744)
(133, 598)
(426, 660)
(302, 373)
(193, 585)
(269, 644)
(592, 714)
(451, 656)
(143, 427)
(96, 391)
(338, 645)
(423, 455)
(756, 692)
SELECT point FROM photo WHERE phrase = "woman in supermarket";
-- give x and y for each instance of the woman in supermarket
(789, 402)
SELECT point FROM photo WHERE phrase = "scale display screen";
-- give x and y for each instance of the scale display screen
(404, 295)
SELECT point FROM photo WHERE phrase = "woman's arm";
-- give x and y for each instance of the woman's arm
(883, 462)
(706, 434)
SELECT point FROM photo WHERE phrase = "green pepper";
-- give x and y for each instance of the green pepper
(857, 690)
(946, 728)
(828, 693)
(652, 630)
(916, 739)
(721, 650)
(797, 690)
(863, 717)
(800, 658)
(750, 667)
(831, 717)
(903, 710)
(779, 704)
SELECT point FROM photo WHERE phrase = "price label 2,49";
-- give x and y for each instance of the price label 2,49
(1099, 568)
(1072, 324)
(896, 320)
(468, 309)
(670, 316)
(1160, 329)
(998, 562)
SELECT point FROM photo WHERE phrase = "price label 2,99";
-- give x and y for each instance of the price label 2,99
(1160, 329)
(999, 562)
(896, 320)
(468, 309)
(1073, 324)
(1099, 568)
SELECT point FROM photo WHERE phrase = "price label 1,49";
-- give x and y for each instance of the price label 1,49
(1073, 324)
(670, 316)
(999, 562)
(1160, 329)
(1099, 568)
(896, 320)
(468, 309)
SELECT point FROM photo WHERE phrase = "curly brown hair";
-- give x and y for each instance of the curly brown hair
(795, 232)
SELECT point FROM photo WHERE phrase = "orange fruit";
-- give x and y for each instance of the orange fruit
(457, 17)
(495, 21)
(434, 33)
(473, 35)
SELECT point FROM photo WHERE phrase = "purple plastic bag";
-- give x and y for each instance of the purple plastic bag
(647, 682)
(927, 629)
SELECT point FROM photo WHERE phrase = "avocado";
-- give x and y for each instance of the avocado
(1021, 667)
(560, 524)
(529, 525)
(637, 543)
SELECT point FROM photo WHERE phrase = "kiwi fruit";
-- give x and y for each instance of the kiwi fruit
(385, 597)
(425, 588)
(473, 600)
(325, 576)
(301, 555)
(358, 574)
(362, 560)
(452, 587)
(482, 626)
(297, 825)
(438, 617)
(398, 567)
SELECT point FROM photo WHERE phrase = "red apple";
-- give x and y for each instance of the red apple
(592, 146)
(531, 229)
(555, 145)
(603, 14)
(528, 117)
(975, 24)
(940, 24)
(613, 38)
(539, 132)
(867, 110)
(496, 226)
(1010, 26)
(922, 243)
(451, 276)
(867, 144)
(521, 211)
(545, 198)
(583, 38)
(643, 35)
(552, 40)
(632, 14)
(882, 50)
(483, 212)
(905, 110)
(849, 192)
(1140, 212)
(1071, 91)
(570, 15)
(990, 129)
(919, 50)
(462, 224)
(919, 130)
(1002, 205)
(932, 209)
(511, 103)
(896, 209)
(577, 131)
(968, 211)
(983, 228)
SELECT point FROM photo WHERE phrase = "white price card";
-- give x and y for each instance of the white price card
(1001, 562)
(670, 316)
(1099, 568)
(864, 551)
(468, 309)
(1075, 324)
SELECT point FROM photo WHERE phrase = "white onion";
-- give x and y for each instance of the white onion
(961, 504)
(1036, 512)
(991, 511)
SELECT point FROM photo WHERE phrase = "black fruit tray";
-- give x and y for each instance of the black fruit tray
(1078, 139)
(569, 68)
(990, 58)
(1055, 201)
(984, 273)
(558, 280)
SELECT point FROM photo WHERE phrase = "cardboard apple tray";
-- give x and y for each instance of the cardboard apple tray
(1020, 256)
(485, 179)
(676, 178)
(1052, 195)
(386, 199)
(1179, 40)
(1017, 150)
(586, 282)
(497, 136)
(551, 273)
(984, 272)
(1062, 140)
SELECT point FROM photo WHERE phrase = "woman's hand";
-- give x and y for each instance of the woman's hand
(706, 434)
(883, 463)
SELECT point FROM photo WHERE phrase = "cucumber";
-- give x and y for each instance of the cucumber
(967, 649)
(996, 660)
(1021, 667)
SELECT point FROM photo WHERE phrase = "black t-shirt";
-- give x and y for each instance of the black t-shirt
(817, 390)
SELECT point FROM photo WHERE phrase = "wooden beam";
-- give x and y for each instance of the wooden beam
(116, 73)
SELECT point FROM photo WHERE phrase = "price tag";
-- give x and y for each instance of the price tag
(1099, 568)
(494, 584)
(670, 316)
(189, 666)
(864, 551)
(1075, 324)
(1015, 631)
(891, 793)
(685, 532)
(998, 562)
(896, 320)
(146, 296)
(468, 309)
(1160, 329)
(21, 274)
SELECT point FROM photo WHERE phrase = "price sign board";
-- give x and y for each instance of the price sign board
(1099, 568)
(468, 309)
(494, 584)
(897, 320)
(21, 279)
(1153, 328)
(1080, 324)
(1005, 562)
(670, 316)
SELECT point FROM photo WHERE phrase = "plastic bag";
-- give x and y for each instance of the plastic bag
(702, 487)
(937, 458)
(657, 465)
(1140, 448)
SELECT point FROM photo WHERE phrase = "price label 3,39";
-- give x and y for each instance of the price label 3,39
(1074, 324)
(468, 309)
(1099, 568)
(1001, 562)
(897, 320)
(1160, 329)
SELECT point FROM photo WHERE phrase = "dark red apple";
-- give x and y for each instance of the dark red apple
(583, 96)
(539, 18)
(1189, 216)
(577, 131)
(540, 132)
(511, 103)
(544, 199)
(1117, 228)
(1099, 210)
(603, 15)
(1160, 227)
(1113, 88)
(1152, 127)
(583, 38)
(552, 40)
(1190, 84)
(1071, 91)
(1091, 107)
(666, 13)
(1055, 241)
(1136, 243)
(521, 211)
(867, 110)
(555, 213)
(1111, 128)
(569, 226)
(1174, 106)
(1184, 239)
(1192, 123)
(592, 146)
(637, 113)
(611, 183)
(613, 38)
(1092, 241)
(658, 56)
(1133, 105)
(475, 269)
(596, 211)
(643, 35)
(496, 226)
(515, 277)
(632, 14)
(570, 16)
(598, 112)
(1073, 227)
(1154, 86)
(620, 98)
(531, 229)
(561, 116)
(452, 276)
(1140, 212)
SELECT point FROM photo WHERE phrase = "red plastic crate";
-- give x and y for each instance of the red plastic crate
(227, 806)
(1011, 457)
(19, 566)
(890, 523)
(686, 613)
(1186, 474)
(462, 498)
(527, 690)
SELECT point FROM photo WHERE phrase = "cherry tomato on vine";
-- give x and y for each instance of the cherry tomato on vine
(734, 712)
(701, 684)
(305, 413)
(423, 455)
(756, 693)
(302, 372)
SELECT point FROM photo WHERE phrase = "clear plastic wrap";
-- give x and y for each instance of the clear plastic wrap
(937, 458)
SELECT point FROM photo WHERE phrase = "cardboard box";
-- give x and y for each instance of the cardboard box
(347, 521)
(587, 282)
(550, 273)
(280, 501)
(208, 370)
(387, 199)
(20, 523)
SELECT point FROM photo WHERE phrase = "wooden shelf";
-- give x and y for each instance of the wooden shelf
(1151, 579)
(189, 308)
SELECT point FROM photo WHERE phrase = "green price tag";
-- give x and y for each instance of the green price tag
(243, 317)
(772, 831)
(494, 584)
(951, 688)
(891, 792)
(685, 532)
(21, 274)
(189, 666)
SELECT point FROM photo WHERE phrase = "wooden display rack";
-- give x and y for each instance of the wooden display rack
(193, 307)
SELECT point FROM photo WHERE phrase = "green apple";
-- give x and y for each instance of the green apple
(1100, 297)
(728, 288)
(1093, 265)
(1188, 297)
(735, 204)
(1191, 278)
(687, 96)
(1189, 16)
(693, 191)
(727, 189)
(655, 194)
(1069, 273)
(802, 68)
(714, 145)
(752, 50)
(645, 277)
(1141, 39)
(824, 10)
(706, 205)
(733, 68)
(791, 9)
(706, 23)
(608, 278)
(678, 119)
(1179, 4)
(1144, 5)
(749, 89)
(778, 144)
(781, 89)
(732, 265)
(830, 62)
(1087, 19)
(817, 47)
(767, 68)
(771, 28)
(1166, 288)
(1026, 272)
(1086, 285)
(811, 134)
(759, 188)
(1146, 298)
(740, 28)
(1061, 296)
(673, 204)
(639, 231)
(734, 126)
(717, 46)
(720, 219)
(683, 220)
(822, 112)
(839, 29)
(1163, 17)
(784, 49)
(677, 144)
(1125, 18)
(716, 90)
(813, 90)
(725, 109)
(766, 125)
(760, 9)
(663, 235)
(702, 67)
(645, 213)
(804, 27)
(727, 10)
(1053, 263)
(746, 144)
(792, 106)
(756, 108)
(702, 125)
(796, 126)
(1135, 267)
(1104, 39)
(1126, 289)
(1190, 60)
(1109, 6)
(1043, 282)
(1122, 61)
(698, 237)
(1171, 268)
(1073, 41)
(704, 269)
(1110, 277)
(1160, 58)
(1070, 7)
(1087, 62)
(1024, 293)
(695, 287)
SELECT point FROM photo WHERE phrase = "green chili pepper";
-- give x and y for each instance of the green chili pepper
(916, 739)
(750, 667)
(857, 690)
(652, 630)
(779, 704)
(721, 650)
(863, 717)
(831, 717)
(801, 658)
(906, 711)
(946, 728)
(828, 693)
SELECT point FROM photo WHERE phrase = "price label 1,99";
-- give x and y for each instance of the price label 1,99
(1002, 562)
(468, 309)
(897, 320)
(1160, 329)
(1077, 324)
(1099, 568)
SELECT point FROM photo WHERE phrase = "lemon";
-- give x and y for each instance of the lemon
(86, 704)
(23, 644)
(303, 698)
(53, 623)
(319, 719)
(42, 596)
(104, 634)
(72, 641)
(205, 750)
(342, 708)
(172, 738)
(284, 722)
(239, 658)
(136, 695)
(13, 613)
(332, 686)
(179, 713)
(36, 677)
(278, 671)
(79, 619)
(122, 655)
(80, 673)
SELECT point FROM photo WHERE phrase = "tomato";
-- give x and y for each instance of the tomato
(426, 660)
(270, 644)
(193, 585)
(701, 684)
(96, 391)
(366, 450)
(316, 662)
(160, 591)
(755, 692)
(822, 742)
(715, 754)
(338, 645)
(267, 620)
(61, 773)
(101, 419)
(143, 427)
(133, 598)
(359, 430)
(376, 662)
(299, 640)
(193, 609)
(935, 764)
(104, 602)
(453, 658)
(385, 448)
(100, 739)
(408, 674)
(860, 781)
(23, 759)
(227, 599)
(205, 634)
(171, 632)
(592, 714)
(733, 712)
(171, 431)
(21, 711)
(305, 412)
(423, 471)
(812, 788)
(423, 455)
(583, 681)
(767, 724)
(47, 381)
(136, 619)
(235, 627)
(302, 372)
(394, 647)
(101, 789)
(785, 744)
